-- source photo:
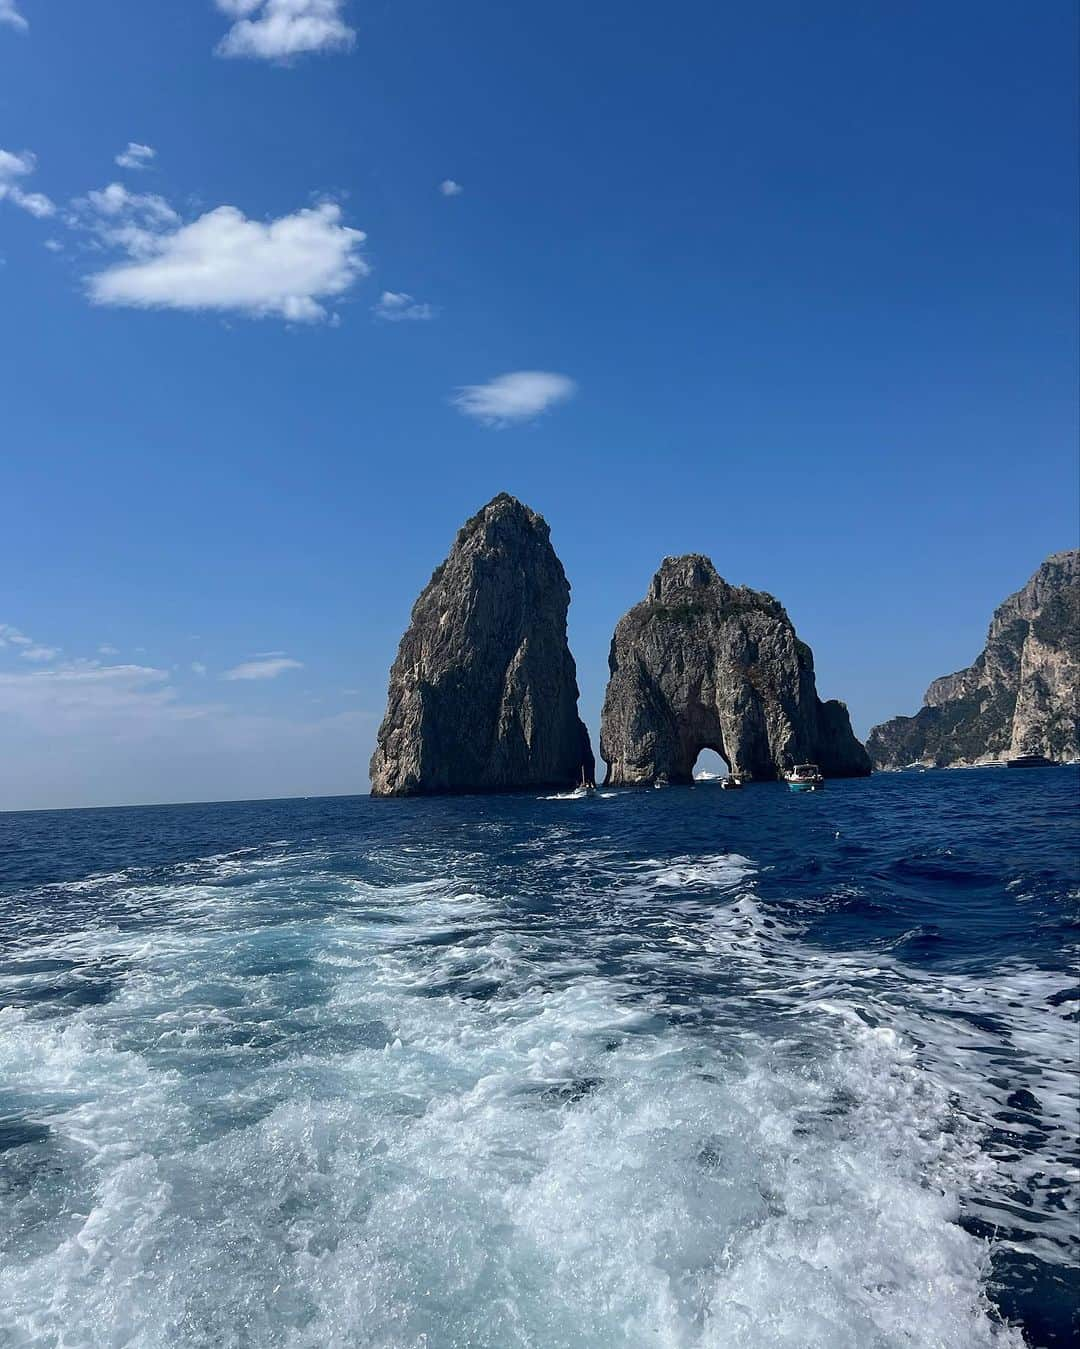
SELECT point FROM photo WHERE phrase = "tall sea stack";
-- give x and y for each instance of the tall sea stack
(701, 664)
(1021, 695)
(483, 694)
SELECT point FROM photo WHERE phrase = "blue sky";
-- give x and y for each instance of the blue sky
(800, 281)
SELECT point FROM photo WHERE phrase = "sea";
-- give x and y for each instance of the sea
(652, 1068)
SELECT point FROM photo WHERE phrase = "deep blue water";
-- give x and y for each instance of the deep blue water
(679, 1068)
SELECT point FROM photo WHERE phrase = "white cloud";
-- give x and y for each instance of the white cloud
(13, 167)
(223, 261)
(197, 667)
(11, 636)
(275, 30)
(25, 646)
(54, 245)
(450, 189)
(116, 200)
(54, 699)
(107, 649)
(9, 14)
(267, 668)
(136, 156)
(37, 203)
(516, 397)
(396, 305)
(88, 733)
(134, 222)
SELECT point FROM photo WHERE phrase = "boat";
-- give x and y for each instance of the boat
(1030, 761)
(730, 782)
(805, 777)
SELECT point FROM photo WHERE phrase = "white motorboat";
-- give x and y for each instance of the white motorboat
(805, 777)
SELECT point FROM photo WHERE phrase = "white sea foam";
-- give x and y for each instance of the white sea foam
(684, 877)
(410, 1122)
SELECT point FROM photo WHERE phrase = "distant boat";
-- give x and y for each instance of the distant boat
(805, 777)
(730, 782)
(1030, 761)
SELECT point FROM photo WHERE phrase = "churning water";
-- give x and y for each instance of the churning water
(679, 1068)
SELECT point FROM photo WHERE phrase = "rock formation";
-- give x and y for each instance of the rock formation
(1022, 694)
(700, 664)
(483, 694)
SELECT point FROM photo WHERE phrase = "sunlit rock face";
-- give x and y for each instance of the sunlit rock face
(701, 664)
(483, 694)
(1021, 695)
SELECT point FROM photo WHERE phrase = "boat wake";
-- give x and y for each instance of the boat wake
(552, 1093)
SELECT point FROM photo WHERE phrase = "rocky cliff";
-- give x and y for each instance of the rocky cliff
(700, 664)
(483, 694)
(1022, 694)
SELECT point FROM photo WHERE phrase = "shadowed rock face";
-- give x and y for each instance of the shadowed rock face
(1022, 694)
(700, 664)
(483, 694)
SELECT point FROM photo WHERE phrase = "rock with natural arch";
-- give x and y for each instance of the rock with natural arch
(701, 664)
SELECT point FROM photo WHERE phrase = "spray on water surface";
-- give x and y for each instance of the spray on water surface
(683, 1068)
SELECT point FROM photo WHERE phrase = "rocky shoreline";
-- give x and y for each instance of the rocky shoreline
(1020, 696)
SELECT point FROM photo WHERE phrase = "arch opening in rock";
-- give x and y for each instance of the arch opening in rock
(709, 764)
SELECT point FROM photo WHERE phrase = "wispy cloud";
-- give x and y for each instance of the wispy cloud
(9, 14)
(117, 202)
(13, 168)
(57, 699)
(450, 189)
(25, 647)
(136, 156)
(395, 306)
(290, 268)
(286, 268)
(275, 30)
(88, 732)
(513, 398)
(118, 218)
(197, 667)
(263, 668)
(11, 636)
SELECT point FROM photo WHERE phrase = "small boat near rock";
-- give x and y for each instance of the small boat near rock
(805, 777)
(1030, 761)
(730, 782)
